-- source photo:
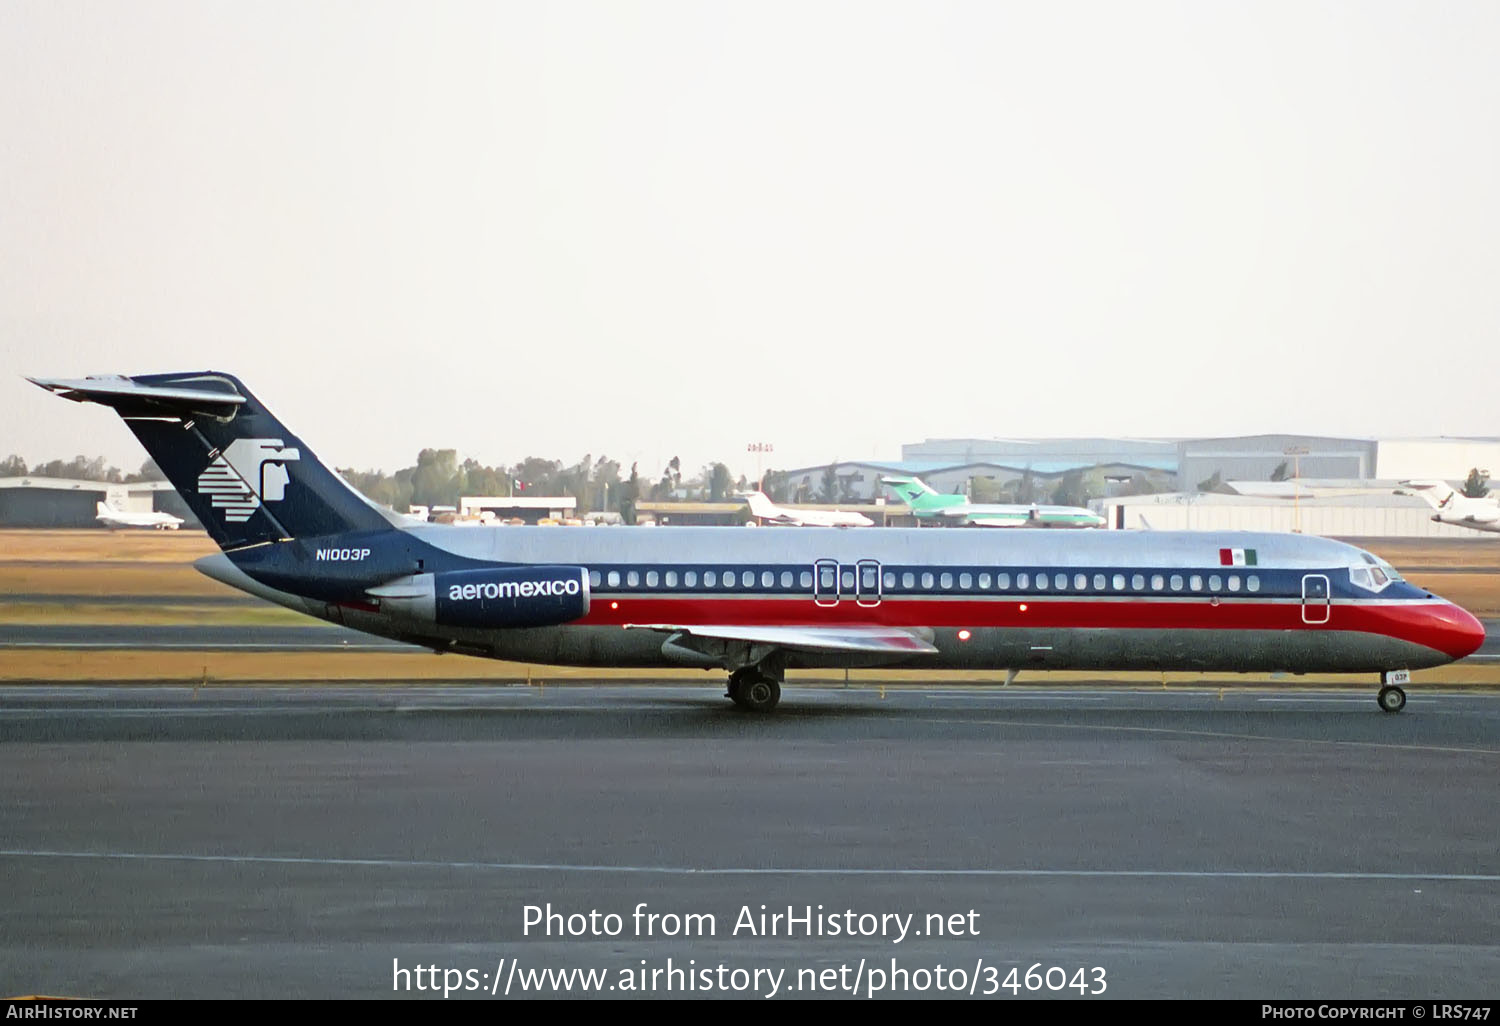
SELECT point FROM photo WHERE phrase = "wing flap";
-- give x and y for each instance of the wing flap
(853, 638)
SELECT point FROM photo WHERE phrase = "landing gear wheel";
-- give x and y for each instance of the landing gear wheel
(1391, 699)
(760, 694)
(739, 680)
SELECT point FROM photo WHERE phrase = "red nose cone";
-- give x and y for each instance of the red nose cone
(1453, 630)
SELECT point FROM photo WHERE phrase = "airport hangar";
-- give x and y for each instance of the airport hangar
(35, 501)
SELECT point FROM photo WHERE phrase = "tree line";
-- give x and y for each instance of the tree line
(80, 468)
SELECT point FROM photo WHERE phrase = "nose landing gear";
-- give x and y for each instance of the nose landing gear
(1391, 698)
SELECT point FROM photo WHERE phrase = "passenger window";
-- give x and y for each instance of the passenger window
(889, 580)
(614, 578)
(1195, 582)
(595, 578)
(984, 582)
(1252, 583)
(690, 579)
(767, 579)
(633, 579)
(671, 578)
(1002, 582)
(710, 579)
(1214, 584)
(747, 579)
(1060, 582)
(1041, 581)
(1138, 582)
(727, 579)
(965, 581)
(827, 579)
(927, 582)
(1234, 583)
(847, 581)
(652, 578)
(1176, 582)
(786, 580)
(1081, 581)
(805, 579)
(946, 581)
(1023, 581)
(908, 581)
(1098, 582)
(1158, 582)
(867, 580)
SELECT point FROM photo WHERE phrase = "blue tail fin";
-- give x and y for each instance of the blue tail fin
(247, 478)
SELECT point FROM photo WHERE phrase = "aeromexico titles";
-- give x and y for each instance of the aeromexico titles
(755, 603)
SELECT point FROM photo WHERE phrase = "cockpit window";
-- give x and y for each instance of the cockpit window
(1380, 568)
(1370, 578)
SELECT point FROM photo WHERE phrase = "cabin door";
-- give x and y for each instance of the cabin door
(1315, 600)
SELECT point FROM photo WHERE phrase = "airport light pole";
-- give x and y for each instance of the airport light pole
(759, 448)
(1296, 452)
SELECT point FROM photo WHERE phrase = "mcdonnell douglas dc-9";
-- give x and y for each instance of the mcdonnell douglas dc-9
(756, 603)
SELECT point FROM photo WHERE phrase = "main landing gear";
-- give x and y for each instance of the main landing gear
(1391, 698)
(753, 689)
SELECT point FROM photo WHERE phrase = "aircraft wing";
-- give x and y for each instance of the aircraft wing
(852, 638)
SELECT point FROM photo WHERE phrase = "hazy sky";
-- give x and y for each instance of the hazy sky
(648, 229)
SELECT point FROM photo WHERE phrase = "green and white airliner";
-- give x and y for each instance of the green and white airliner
(958, 511)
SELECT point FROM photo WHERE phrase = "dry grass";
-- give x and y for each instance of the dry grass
(91, 546)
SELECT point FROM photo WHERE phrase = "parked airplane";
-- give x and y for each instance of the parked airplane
(766, 510)
(113, 518)
(1451, 506)
(757, 603)
(927, 504)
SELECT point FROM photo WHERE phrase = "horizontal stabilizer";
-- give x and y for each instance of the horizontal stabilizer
(210, 395)
(888, 640)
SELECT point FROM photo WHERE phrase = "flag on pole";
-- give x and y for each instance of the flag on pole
(1236, 557)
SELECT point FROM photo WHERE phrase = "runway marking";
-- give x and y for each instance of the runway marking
(563, 867)
(1223, 735)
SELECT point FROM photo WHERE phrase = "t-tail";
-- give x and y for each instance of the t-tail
(247, 478)
(1440, 495)
(912, 490)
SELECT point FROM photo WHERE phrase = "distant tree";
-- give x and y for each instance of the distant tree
(671, 480)
(1475, 485)
(1026, 489)
(720, 481)
(804, 489)
(1212, 484)
(629, 493)
(775, 484)
(81, 468)
(435, 478)
(1279, 474)
(830, 490)
(606, 480)
(12, 466)
(1071, 490)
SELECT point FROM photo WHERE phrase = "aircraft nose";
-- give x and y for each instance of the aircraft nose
(1453, 630)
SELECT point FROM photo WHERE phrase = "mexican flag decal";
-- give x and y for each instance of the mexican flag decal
(1236, 557)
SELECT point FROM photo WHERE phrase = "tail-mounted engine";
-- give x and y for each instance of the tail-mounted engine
(526, 596)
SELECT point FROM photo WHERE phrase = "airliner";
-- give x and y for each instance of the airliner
(113, 518)
(927, 504)
(766, 511)
(1451, 506)
(757, 603)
